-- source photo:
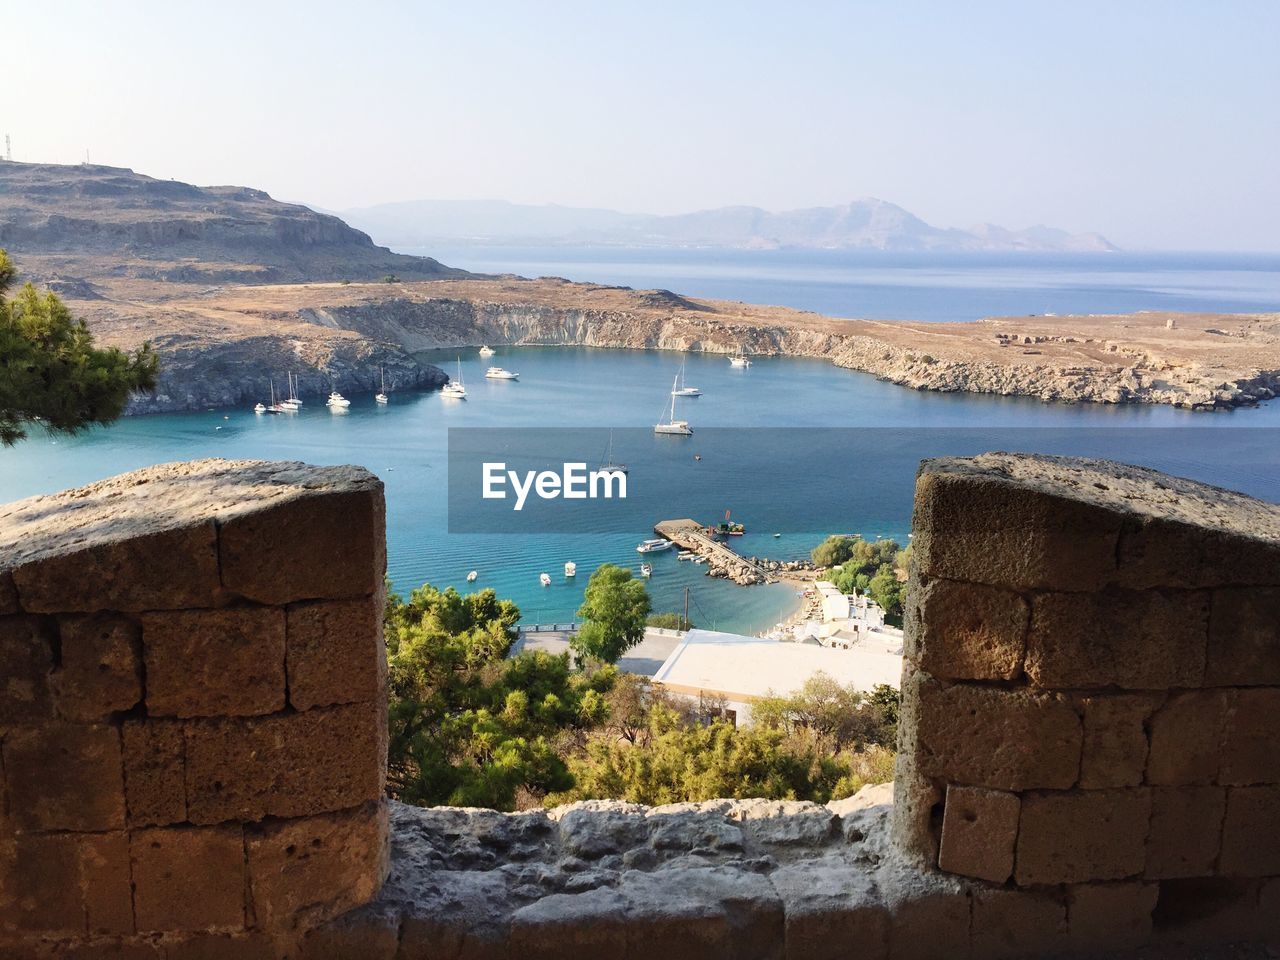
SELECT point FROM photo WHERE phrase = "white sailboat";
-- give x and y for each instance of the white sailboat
(455, 389)
(683, 390)
(291, 404)
(673, 426)
(497, 373)
(274, 406)
(739, 360)
(607, 463)
(381, 395)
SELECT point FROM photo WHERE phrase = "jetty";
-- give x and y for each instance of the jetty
(721, 561)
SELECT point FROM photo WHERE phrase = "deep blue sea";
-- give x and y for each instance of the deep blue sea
(856, 478)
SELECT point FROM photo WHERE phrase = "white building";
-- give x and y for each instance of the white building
(742, 669)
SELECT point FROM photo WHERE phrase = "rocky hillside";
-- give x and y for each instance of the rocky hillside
(72, 223)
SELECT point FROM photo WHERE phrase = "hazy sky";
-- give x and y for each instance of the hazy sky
(1156, 123)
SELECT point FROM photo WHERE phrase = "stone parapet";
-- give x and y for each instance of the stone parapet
(192, 710)
(1090, 686)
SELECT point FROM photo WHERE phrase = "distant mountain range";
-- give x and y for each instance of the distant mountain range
(867, 224)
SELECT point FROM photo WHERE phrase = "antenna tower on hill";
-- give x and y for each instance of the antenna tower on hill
(8, 148)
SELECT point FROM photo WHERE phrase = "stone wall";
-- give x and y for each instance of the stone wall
(192, 710)
(1091, 693)
(192, 743)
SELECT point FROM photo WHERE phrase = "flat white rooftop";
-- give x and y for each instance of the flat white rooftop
(744, 668)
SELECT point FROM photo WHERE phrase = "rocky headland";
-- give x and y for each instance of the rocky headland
(234, 287)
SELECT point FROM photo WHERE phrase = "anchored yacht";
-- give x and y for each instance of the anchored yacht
(673, 426)
(455, 389)
(497, 373)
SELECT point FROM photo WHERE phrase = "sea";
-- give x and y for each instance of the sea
(782, 431)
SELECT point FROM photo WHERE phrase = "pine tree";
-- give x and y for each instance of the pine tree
(50, 371)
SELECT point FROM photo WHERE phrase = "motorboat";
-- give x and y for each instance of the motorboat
(381, 395)
(337, 400)
(646, 570)
(545, 579)
(653, 546)
(455, 389)
(683, 390)
(259, 408)
(497, 373)
(570, 569)
(471, 577)
(671, 425)
(487, 351)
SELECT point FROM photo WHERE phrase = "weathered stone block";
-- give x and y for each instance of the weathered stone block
(305, 871)
(163, 570)
(64, 776)
(967, 631)
(130, 948)
(1176, 542)
(1203, 911)
(1251, 745)
(974, 524)
(1186, 739)
(1244, 637)
(929, 925)
(203, 663)
(26, 663)
(292, 765)
(991, 737)
(915, 800)
(106, 875)
(188, 878)
(1136, 640)
(830, 905)
(979, 828)
(229, 946)
(1250, 840)
(1106, 918)
(154, 772)
(40, 885)
(335, 652)
(101, 671)
(8, 594)
(289, 551)
(1186, 826)
(1082, 835)
(366, 933)
(1017, 924)
(1115, 740)
(576, 926)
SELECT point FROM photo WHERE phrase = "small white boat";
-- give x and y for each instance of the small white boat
(455, 389)
(653, 546)
(739, 359)
(673, 426)
(337, 400)
(685, 555)
(545, 579)
(570, 569)
(607, 463)
(259, 408)
(497, 373)
(381, 395)
(275, 406)
(487, 351)
(293, 403)
(684, 390)
(471, 577)
(646, 570)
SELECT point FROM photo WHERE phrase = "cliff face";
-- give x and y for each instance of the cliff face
(1123, 372)
(88, 221)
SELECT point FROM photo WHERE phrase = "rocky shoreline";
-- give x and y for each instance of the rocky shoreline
(226, 338)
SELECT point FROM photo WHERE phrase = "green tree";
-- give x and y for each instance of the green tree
(50, 371)
(469, 726)
(669, 620)
(614, 608)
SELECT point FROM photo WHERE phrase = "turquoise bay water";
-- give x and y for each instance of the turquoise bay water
(405, 443)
